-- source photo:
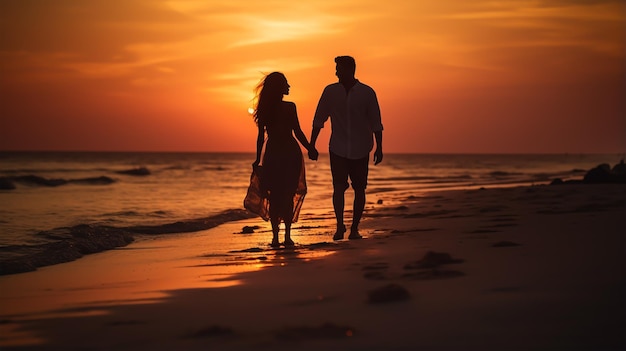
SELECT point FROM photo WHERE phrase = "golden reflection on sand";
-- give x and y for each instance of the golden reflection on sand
(13, 336)
(141, 273)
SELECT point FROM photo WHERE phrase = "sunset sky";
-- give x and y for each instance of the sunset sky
(452, 76)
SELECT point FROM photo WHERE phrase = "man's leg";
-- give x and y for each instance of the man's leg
(358, 170)
(338, 206)
(358, 207)
(339, 170)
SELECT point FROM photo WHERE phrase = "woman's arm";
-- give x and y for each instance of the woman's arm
(312, 151)
(301, 137)
(259, 144)
(298, 131)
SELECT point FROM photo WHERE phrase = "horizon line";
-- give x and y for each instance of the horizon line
(623, 153)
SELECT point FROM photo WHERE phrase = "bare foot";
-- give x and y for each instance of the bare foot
(289, 242)
(354, 234)
(339, 233)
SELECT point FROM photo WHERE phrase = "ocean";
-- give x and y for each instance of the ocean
(48, 198)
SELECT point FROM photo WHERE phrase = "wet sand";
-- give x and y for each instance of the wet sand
(523, 268)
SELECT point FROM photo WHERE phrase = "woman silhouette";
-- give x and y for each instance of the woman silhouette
(283, 177)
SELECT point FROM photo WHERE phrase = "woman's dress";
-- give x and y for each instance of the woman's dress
(283, 165)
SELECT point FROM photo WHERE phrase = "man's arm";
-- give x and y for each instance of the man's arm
(315, 132)
(378, 154)
(322, 113)
(377, 125)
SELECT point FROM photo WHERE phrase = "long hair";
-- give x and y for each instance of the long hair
(269, 93)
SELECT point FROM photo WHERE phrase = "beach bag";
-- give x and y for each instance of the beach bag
(256, 200)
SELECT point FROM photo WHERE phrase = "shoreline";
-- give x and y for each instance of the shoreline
(73, 243)
(527, 268)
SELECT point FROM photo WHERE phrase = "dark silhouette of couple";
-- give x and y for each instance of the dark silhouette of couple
(355, 120)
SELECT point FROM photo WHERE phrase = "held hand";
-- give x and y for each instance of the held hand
(256, 163)
(378, 156)
(313, 154)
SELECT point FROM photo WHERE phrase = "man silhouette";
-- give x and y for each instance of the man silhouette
(355, 117)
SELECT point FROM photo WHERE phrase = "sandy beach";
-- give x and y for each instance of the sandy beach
(524, 268)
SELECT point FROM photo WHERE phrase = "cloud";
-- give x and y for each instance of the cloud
(261, 30)
(203, 55)
(95, 30)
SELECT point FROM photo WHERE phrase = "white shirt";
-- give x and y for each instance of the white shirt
(354, 117)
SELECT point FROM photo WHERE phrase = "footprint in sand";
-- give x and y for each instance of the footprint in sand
(388, 293)
(324, 331)
(501, 221)
(125, 323)
(376, 271)
(505, 244)
(506, 289)
(211, 332)
(433, 259)
(482, 231)
(397, 231)
(432, 274)
(429, 267)
(490, 209)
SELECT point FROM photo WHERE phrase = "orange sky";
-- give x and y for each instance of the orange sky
(451, 75)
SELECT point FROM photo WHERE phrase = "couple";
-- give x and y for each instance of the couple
(355, 118)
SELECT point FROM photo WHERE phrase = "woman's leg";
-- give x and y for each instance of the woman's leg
(274, 217)
(287, 218)
(288, 241)
(275, 229)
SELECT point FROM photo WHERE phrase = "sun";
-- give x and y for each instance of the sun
(250, 110)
